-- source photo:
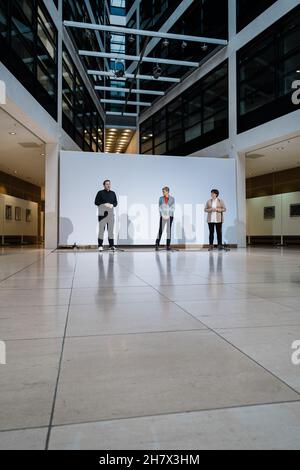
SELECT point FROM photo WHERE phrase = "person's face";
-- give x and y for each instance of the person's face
(165, 192)
(214, 196)
(107, 186)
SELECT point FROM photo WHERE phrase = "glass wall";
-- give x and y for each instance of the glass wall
(118, 7)
(194, 120)
(247, 11)
(81, 119)
(28, 48)
(267, 67)
(87, 39)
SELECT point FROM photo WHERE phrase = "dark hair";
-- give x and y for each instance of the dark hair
(215, 191)
(106, 181)
(166, 189)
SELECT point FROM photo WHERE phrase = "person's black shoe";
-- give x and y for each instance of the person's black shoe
(220, 247)
(211, 248)
(112, 248)
(168, 248)
(156, 247)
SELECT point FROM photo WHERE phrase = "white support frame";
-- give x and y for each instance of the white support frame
(115, 113)
(133, 103)
(126, 90)
(153, 60)
(141, 32)
(131, 75)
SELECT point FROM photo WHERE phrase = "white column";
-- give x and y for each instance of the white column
(239, 158)
(51, 196)
(241, 223)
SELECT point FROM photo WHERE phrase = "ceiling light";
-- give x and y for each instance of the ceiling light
(157, 71)
(204, 47)
(184, 45)
(12, 133)
(166, 42)
(131, 38)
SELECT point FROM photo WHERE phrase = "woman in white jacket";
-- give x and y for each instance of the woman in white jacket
(166, 209)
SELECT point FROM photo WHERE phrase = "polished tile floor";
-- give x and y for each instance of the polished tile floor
(182, 350)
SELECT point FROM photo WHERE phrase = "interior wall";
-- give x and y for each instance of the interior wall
(278, 182)
(21, 190)
(14, 186)
(282, 225)
(138, 181)
(18, 228)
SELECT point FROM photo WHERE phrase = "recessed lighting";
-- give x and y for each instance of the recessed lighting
(12, 133)
(42, 154)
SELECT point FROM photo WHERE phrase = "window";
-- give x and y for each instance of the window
(194, 120)
(247, 11)
(28, 48)
(81, 119)
(267, 68)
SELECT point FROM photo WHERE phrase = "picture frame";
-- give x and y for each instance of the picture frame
(18, 214)
(269, 212)
(8, 212)
(294, 210)
(28, 215)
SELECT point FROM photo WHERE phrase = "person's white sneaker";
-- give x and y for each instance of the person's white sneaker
(100, 249)
(112, 248)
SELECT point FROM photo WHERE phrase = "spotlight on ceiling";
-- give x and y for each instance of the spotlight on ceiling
(157, 71)
(166, 42)
(204, 47)
(184, 45)
(131, 39)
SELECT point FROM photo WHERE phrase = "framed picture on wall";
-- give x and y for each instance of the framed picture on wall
(8, 212)
(28, 215)
(269, 213)
(18, 214)
(295, 210)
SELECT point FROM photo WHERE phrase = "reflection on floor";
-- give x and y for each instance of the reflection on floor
(149, 350)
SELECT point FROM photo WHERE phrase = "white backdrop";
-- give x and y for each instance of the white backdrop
(138, 181)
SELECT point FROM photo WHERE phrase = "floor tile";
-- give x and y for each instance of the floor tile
(202, 292)
(25, 439)
(241, 313)
(32, 297)
(140, 375)
(270, 347)
(100, 296)
(27, 383)
(32, 322)
(128, 318)
(272, 427)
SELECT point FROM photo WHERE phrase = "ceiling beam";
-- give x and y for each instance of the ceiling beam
(141, 32)
(115, 113)
(126, 90)
(131, 75)
(133, 103)
(153, 60)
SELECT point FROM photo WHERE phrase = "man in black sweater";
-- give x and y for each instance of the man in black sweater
(106, 200)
